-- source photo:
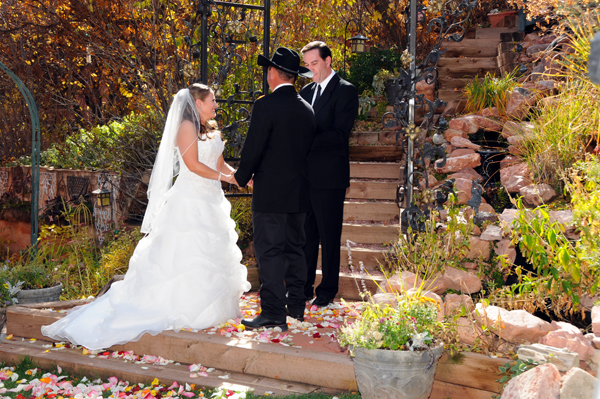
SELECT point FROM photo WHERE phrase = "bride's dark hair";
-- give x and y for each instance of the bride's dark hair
(199, 91)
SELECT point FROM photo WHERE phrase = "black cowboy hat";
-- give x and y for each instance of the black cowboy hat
(286, 60)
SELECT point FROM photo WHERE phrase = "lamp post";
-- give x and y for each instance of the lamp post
(357, 42)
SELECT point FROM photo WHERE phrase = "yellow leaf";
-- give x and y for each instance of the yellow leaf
(154, 382)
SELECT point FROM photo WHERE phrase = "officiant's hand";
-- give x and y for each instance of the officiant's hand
(251, 183)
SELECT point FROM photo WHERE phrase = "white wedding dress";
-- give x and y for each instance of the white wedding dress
(185, 273)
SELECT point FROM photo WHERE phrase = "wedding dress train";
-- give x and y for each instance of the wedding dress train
(185, 273)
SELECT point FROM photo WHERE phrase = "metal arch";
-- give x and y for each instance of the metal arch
(35, 152)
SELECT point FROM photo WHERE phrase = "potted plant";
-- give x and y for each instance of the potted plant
(27, 280)
(396, 346)
(386, 81)
(504, 19)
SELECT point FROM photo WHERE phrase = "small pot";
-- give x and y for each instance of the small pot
(392, 90)
(51, 294)
(504, 19)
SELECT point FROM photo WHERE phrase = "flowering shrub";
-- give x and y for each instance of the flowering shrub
(409, 325)
(8, 291)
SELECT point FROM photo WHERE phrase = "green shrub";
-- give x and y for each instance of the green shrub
(116, 254)
(489, 92)
(366, 65)
(241, 213)
(559, 139)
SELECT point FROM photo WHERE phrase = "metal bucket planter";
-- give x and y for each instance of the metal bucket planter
(51, 294)
(386, 374)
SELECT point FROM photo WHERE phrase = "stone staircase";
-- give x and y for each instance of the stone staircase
(464, 60)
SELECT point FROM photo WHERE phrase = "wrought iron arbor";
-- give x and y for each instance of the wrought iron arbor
(450, 26)
(35, 151)
(229, 35)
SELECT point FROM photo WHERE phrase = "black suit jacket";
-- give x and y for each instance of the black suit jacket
(336, 110)
(282, 128)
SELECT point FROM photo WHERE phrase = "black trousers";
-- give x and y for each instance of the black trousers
(278, 244)
(324, 225)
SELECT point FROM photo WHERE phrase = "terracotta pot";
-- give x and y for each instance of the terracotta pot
(386, 374)
(504, 19)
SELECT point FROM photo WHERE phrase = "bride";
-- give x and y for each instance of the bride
(186, 272)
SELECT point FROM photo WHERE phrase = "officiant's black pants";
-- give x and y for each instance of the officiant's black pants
(278, 242)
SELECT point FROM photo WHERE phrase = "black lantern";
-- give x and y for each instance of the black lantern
(102, 196)
(358, 43)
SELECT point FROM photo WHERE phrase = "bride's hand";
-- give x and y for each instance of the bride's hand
(229, 179)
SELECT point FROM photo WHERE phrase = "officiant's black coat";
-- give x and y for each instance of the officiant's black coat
(281, 132)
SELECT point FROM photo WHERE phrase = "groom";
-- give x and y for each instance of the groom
(282, 128)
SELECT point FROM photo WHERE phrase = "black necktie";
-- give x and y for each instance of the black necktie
(318, 94)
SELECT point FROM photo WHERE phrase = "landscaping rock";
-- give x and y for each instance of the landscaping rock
(460, 142)
(450, 133)
(531, 37)
(594, 340)
(577, 384)
(515, 326)
(596, 320)
(511, 129)
(487, 208)
(563, 359)
(463, 281)
(514, 177)
(464, 125)
(536, 48)
(467, 173)
(453, 303)
(460, 152)
(508, 215)
(492, 233)
(541, 382)
(407, 280)
(483, 217)
(568, 336)
(519, 102)
(491, 112)
(481, 122)
(467, 330)
(594, 362)
(384, 298)
(509, 160)
(427, 89)
(455, 164)
(503, 247)
(537, 194)
(478, 248)
(546, 87)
